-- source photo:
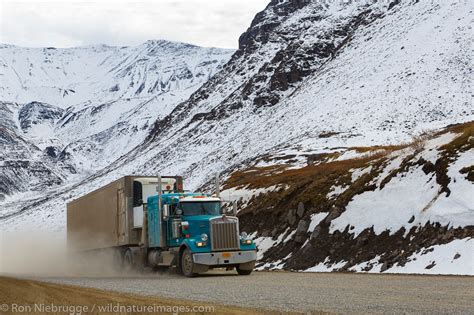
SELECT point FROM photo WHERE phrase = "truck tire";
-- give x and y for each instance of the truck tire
(187, 264)
(243, 272)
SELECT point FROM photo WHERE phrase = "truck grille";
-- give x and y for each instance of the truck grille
(225, 233)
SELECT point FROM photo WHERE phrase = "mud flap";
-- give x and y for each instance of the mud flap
(198, 268)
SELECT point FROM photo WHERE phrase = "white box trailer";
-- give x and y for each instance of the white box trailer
(110, 216)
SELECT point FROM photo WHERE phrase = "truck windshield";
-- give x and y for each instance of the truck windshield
(201, 208)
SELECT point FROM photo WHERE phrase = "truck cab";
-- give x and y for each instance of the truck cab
(194, 228)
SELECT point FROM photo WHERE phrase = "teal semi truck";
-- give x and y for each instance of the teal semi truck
(152, 222)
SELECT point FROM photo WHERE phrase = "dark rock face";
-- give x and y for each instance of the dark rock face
(52, 152)
(283, 46)
(297, 56)
(301, 231)
(17, 175)
(36, 113)
(300, 211)
(262, 27)
(18, 171)
(291, 217)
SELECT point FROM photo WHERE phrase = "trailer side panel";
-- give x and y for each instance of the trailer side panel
(94, 220)
(104, 218)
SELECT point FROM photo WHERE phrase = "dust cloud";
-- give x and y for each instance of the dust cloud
(46, 254)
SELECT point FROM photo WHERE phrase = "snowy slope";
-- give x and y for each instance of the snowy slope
(70, 76)
(76, 110)
(403, 209)
(378, 72)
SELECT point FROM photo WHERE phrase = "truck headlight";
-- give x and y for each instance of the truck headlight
(204, 237)
(200, 244)
(245, 239)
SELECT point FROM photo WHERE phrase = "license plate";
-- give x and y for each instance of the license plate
(226, 255)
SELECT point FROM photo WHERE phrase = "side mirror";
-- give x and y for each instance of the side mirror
(166, 212)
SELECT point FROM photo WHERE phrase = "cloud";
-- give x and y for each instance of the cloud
(59, 23)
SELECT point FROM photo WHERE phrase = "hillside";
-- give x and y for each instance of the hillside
(286, 93)
(405, 208)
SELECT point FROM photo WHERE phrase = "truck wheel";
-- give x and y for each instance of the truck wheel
(243, 272)
(187, 263)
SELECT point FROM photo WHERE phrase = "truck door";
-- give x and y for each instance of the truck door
(122, 215)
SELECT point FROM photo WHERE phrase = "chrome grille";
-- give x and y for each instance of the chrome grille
(225, 233)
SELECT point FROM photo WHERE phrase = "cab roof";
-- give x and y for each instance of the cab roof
(186, 197)
(198, 199)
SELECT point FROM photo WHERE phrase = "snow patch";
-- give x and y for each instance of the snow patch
(456, 257)
(326, 266)
(316, 218)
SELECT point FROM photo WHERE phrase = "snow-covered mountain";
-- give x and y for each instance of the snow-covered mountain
(309, 78)
(74, 76)
(310, 82)
(69, 112)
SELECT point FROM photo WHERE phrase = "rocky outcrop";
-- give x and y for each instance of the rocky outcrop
(36, 113)
(23, 165)
(389, 229)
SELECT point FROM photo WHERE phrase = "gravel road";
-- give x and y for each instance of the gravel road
(304, 292)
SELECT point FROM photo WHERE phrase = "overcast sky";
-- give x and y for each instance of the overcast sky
(66, 23)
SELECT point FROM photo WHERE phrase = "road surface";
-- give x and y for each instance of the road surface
(303, 292)
(24, 296)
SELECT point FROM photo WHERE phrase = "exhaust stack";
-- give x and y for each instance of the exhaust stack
(158, 189)
(218, 188)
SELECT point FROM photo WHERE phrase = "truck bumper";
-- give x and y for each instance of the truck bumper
(225, 258)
